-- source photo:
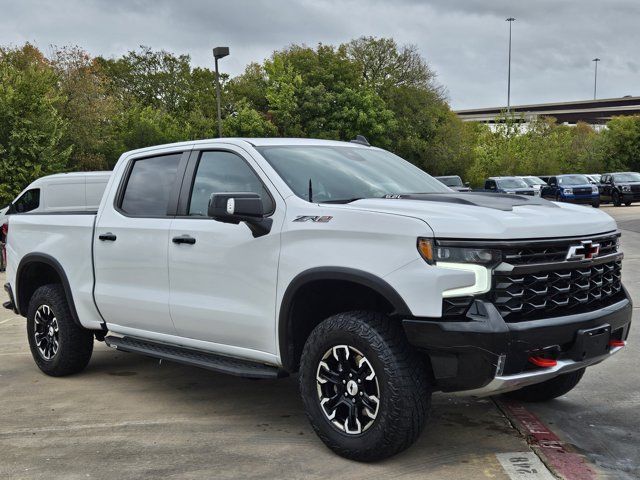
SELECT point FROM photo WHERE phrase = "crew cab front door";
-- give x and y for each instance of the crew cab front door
(222, 279)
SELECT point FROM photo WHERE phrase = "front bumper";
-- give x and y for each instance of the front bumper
(581, 199)
(508, 383)
(485, 355)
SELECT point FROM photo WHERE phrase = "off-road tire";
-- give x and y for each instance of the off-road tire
(75, 344)
(405, 394)
(556, 387)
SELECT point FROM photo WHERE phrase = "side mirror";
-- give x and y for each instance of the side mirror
(466, 184)
(240, 207)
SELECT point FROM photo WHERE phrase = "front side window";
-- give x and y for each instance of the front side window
(149, 186)
(30, 200)
(337, 174)
(224, 172)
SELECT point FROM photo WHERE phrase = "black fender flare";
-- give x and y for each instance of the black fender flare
(46, 259)
(353, 275)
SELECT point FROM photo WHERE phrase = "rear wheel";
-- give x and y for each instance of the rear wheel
(58, 345)
(364, 388)
(556, 387)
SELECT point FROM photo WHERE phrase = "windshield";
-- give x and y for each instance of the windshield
(451, 181)
(343, 174)
(626, 177)
(573, 180)
(531, 181)
(511, 183)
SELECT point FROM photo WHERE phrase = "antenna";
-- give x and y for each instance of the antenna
(362, 140)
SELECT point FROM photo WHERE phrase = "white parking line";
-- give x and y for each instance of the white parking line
(8, 320)
(524, 465)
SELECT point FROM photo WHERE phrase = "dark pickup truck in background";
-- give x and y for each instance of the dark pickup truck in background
(619, 188)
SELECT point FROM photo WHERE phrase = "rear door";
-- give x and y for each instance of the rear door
(223, 285)
(131, 245)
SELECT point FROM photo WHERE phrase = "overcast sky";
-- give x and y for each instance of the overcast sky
(464, 41)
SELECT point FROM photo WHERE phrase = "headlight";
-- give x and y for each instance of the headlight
(568, 191)
(594, 189)
(433, 254)
(625, 188)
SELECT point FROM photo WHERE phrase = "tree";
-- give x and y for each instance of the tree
(86, 105)
(319, 93)
(621, 144)
(384, 65)
(31, 128)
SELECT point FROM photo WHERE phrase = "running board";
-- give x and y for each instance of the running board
(196, 358)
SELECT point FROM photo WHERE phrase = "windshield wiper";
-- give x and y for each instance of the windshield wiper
(342, 200)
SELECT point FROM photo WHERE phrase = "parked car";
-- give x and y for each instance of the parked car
(62, 192)
(512, 185)
(455, 183)
(265, 257)
(534, 182)
(571, 188)
(594, 178)
(619, 188)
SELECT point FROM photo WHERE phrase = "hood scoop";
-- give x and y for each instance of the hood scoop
(497, 201)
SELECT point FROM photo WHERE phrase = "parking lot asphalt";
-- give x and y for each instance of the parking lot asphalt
(128, 416)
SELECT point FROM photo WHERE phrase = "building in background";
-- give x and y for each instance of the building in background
(593, 112)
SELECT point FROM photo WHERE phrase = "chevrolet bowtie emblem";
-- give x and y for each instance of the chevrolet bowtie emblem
(585, 251)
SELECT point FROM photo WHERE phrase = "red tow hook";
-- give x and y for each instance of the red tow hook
(616, 343)
(543, 362)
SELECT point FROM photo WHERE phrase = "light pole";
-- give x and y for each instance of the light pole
(218, 53)
(510, 20)
(595, 78)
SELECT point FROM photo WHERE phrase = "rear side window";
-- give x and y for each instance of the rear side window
(30, 200)
(224, 172)
(149, 186)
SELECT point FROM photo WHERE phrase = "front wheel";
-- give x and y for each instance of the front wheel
(364, 388)
(58, 345)
(628, 204)
(596, 204)
(616, 199)
(556, 387)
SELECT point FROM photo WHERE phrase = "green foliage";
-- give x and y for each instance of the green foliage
(75, 112)
(621, 144)
(31, 128)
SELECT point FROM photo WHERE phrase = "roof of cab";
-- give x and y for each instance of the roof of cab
(255, 142)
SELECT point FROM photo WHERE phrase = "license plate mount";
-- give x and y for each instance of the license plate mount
(591, 342)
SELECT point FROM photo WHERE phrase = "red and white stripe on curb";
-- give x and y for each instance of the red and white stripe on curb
(555, 453)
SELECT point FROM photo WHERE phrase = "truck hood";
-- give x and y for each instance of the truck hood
(493, 216)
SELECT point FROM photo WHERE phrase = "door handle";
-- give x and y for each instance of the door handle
(189, 240)
(107, 237)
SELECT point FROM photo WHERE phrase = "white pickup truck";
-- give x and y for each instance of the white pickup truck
(340, 261)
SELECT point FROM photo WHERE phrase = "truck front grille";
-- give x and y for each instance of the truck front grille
(557, 292)
(583, 191)
(553, 251)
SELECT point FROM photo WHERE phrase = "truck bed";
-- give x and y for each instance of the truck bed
(66, 239)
